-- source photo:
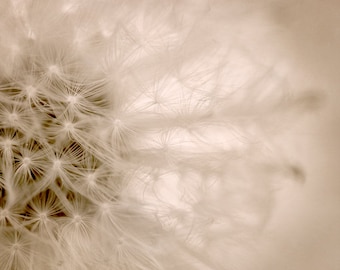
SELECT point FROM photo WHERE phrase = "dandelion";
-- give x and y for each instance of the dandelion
(15, 250)
(132, 132)
(10, 140)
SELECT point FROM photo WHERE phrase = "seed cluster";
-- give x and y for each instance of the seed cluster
(127, 133)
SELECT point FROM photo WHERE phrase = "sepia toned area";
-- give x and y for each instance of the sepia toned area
(146, 135)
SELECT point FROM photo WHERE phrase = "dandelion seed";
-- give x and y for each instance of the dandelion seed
(42, 214)
(19, 118)
(64, 128)
(30, 163)
(10, 216)
(87, 97)
(4, 214)
(78, 227)
(15, 251)
(53, 66)
(28, 92)
(9, 144)
(61, 169)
